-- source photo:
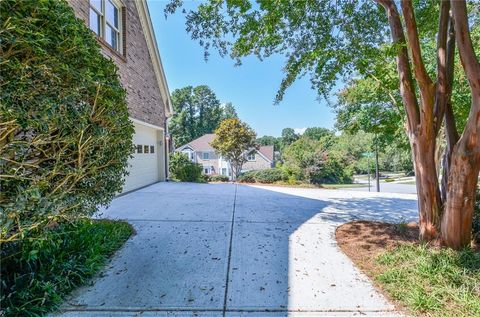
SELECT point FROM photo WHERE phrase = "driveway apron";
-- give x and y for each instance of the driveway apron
(235, 250)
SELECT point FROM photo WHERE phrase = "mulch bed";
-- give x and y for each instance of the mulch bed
(363, 241)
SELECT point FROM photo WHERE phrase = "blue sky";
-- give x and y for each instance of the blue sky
(251, 87)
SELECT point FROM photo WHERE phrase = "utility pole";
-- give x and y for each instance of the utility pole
(377, 173)
(368, 163)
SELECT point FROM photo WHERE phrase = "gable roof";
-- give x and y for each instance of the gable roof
(201, 144)
(267, 151)
(146, 22)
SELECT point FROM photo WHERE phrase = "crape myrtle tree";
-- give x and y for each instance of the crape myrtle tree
(233, 140)
(340, 39)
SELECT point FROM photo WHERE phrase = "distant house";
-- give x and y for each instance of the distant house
(200, 151)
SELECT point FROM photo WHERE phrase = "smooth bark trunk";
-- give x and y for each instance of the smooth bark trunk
(429, 200)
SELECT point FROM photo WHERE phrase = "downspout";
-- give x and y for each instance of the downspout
(167, 140)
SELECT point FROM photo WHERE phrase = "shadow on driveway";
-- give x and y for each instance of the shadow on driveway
(228, 250)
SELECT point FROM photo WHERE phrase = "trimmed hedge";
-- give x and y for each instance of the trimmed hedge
(65, 135)
(267, 176)
(219, 178)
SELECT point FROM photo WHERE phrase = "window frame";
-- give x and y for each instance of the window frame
(207, 156)
(250, 155)
(119, 31)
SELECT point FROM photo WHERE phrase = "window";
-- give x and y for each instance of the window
(105, 21)
(206, 156)
(206, 170)
(145, 148)
(152, 149)
(139, 148)
(251, 156)
(224, 171)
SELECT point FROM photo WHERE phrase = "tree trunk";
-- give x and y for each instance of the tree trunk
(465, 159)
(462, 183)
(429, 201)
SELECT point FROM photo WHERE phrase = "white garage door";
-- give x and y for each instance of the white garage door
(147, 163)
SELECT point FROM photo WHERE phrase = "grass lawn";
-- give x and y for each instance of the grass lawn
(37, 273)
(423, 280)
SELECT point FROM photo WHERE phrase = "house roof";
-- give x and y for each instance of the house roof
(201, 144)
(267, 151)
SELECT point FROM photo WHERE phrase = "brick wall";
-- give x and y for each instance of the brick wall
(135, 67)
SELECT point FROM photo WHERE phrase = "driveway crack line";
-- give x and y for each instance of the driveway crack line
(229, 253)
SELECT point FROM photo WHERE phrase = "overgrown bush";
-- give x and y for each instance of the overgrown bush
(65, 136)
(328, 169)
(219, 178)
(184, 170)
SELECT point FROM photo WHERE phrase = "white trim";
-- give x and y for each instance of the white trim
(146, 124)
(146, 22)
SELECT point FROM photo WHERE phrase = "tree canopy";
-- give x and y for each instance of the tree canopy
(197, 111)
(233, 139)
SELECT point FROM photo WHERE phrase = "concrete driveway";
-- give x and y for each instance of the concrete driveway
(234, 250)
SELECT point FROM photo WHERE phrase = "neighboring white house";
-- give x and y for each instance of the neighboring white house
(200, 151)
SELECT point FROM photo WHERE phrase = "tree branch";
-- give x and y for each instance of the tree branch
(465, 46)
(407, 89)
(445, 59)
(470, 139)
(424, 81)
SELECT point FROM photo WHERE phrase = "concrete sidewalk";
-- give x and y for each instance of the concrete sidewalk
(233, 250)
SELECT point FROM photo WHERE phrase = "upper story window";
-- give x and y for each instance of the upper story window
(251, 156)
(105, 21)
(206, 156)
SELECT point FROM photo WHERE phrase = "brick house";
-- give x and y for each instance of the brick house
(124, 31)
(200, 151)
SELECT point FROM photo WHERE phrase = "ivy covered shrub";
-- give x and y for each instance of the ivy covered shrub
(65, 136)
(184, 170)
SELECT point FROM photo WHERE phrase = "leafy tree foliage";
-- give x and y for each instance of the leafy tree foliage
(313, 161)
(317, 133)
(229, 111)
(288, 136)
(197, 112)
(65, 136)
(233, 139)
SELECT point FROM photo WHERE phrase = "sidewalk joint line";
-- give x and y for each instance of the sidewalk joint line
(229, 253)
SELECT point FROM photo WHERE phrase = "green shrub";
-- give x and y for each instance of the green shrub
(247, 177)
(65, 135)
(219, 178)
(38, 272)
(184, 170)
(328, 169)
(271, 175)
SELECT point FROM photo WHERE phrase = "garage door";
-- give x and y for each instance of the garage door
(146, 166)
